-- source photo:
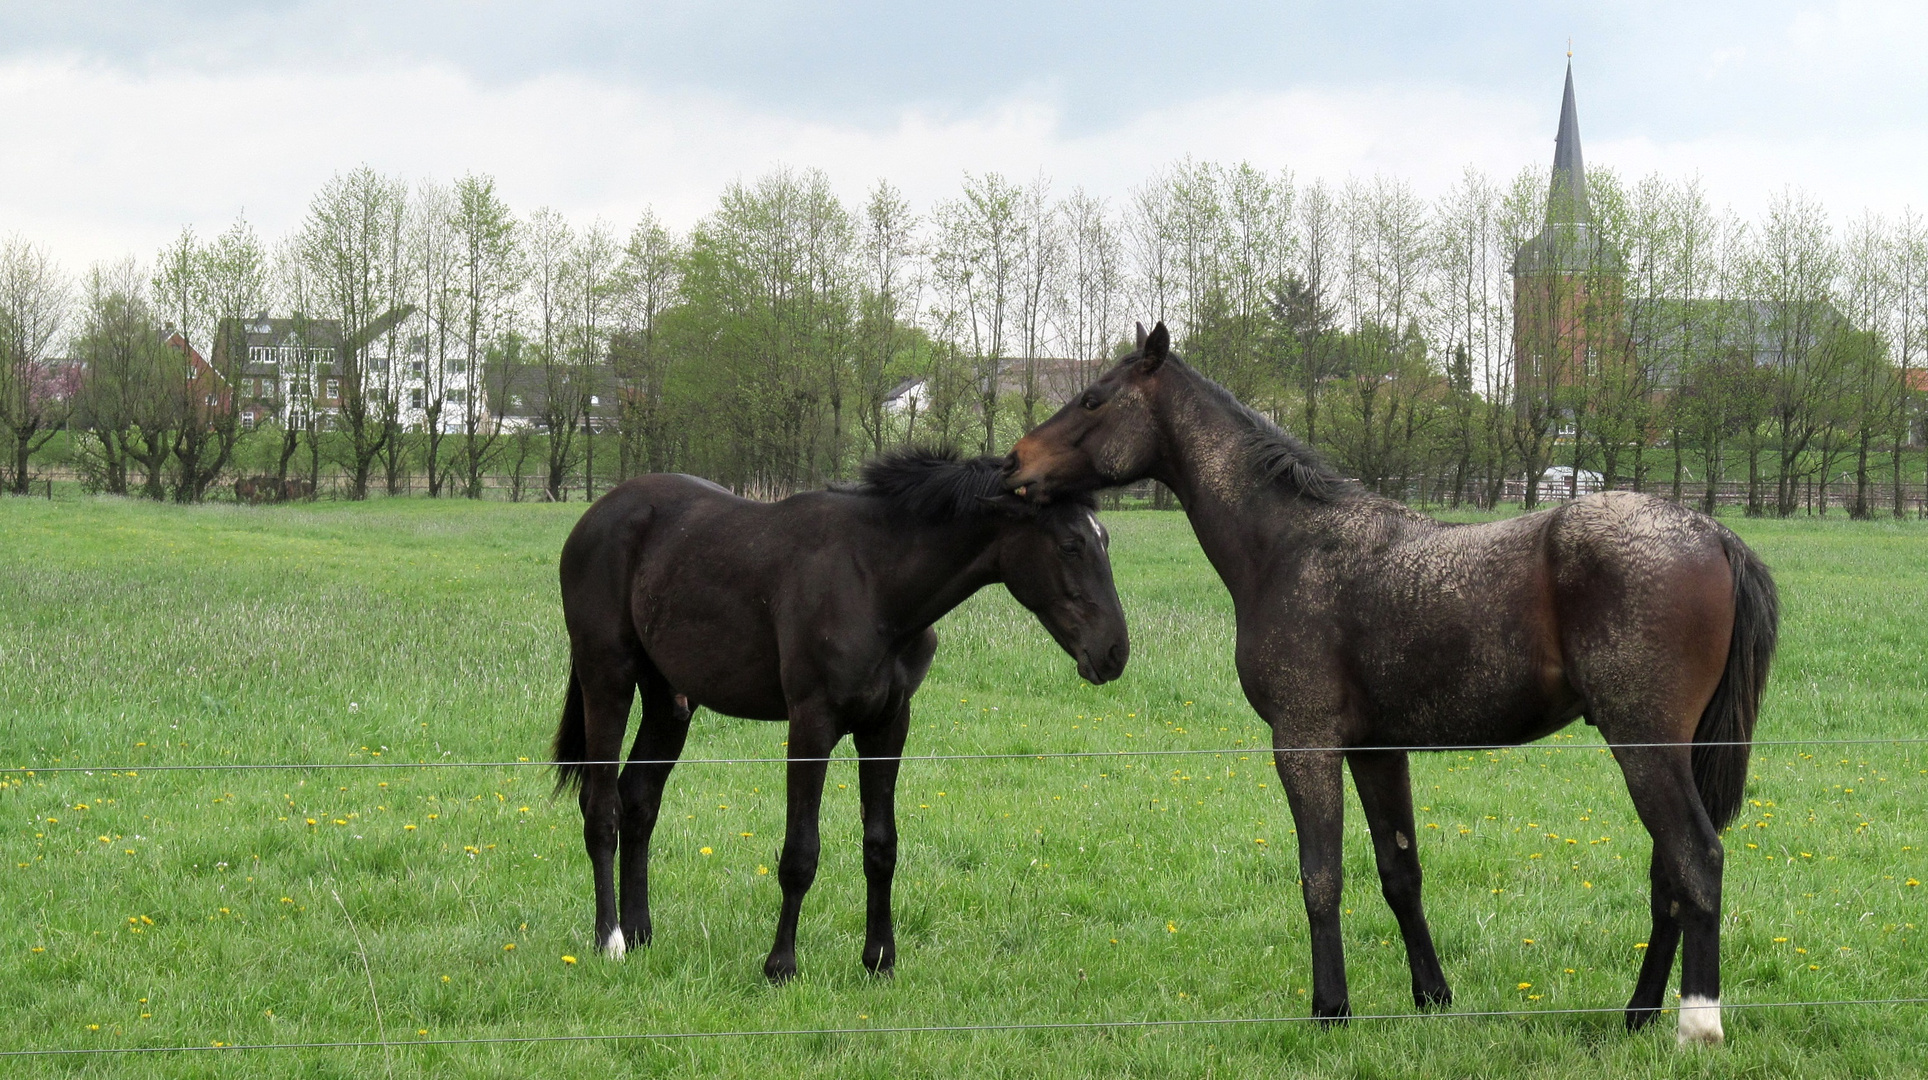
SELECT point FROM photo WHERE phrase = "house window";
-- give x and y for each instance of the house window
(210, 401)
(247, 421)
(415, 368)
(415, 398)
(334, 388)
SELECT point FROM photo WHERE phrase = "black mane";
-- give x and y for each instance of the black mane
(934, 484)
(1274, 456)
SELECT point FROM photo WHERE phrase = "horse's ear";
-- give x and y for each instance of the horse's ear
(1155, 348)
(1139, 345)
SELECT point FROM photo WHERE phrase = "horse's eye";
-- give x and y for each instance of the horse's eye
(1090, 401)
(1069, 547)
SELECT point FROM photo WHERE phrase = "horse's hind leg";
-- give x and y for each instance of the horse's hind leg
(606, 694)
(659, 742)
(1663, 941)
(1686, 874)
(1385, 791)
(880, 749)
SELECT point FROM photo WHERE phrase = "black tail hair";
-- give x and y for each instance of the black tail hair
(572, 738)
(1720, 772)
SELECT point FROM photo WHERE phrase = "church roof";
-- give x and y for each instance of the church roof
(1568, 243)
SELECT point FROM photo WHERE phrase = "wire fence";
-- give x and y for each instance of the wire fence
(931, 1029)
(387, 1045)
(524, 763)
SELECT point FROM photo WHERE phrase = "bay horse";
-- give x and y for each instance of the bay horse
(816, 610)
(1364, 626)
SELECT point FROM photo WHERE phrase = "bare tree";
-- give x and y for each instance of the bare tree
(1090, 317)
(488, 275)
(351, 244)
(646, 283)
(34, 395)
(887, 297)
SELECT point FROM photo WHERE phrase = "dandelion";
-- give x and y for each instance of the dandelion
(1171, 928)
(421, 1031)
(1911, 883)
(287, 900)
(1525, 986)
(38, 948)
(703, 851)
(445, 978)
(1526, 941)
(1258, 839)
(93, 1027)
(312, 821)
(1569, 971)
(1803, 952)
(510, 947)
(762, 870)
(1642, 945)
(408, 828)
(568, 959)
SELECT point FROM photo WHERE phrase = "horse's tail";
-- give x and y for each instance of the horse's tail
(1727, 727)
(572, 738)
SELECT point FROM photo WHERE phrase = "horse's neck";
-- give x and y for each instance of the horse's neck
(933, 568)
(1243, 521)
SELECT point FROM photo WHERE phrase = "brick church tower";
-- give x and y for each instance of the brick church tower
(1567, 282)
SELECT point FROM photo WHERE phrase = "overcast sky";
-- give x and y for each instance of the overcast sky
(122, 122)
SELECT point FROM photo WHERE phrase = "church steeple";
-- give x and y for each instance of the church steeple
(1568, 243)
(1566, 202)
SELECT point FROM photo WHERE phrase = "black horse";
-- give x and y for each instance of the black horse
(816, 610)
(1362, 624)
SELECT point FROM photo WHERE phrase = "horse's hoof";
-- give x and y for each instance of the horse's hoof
(1700, 1021)
(1330, 1016)
(780, 969)
(1437, 998)
(1639, 1017)
(881, 966)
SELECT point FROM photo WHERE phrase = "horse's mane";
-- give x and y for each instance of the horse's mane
(1273, 456)
(935, 485)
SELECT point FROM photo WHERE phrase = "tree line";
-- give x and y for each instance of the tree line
(787, 335)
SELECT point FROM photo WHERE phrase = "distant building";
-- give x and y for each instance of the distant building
(1568, 310)
(290, 372)
(1571, 317)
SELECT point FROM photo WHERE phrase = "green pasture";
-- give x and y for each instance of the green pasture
(146, 908)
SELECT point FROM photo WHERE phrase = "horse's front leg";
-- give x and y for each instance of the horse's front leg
(1313, 786)
(813, 735)
(880, 748)
(1385, 791)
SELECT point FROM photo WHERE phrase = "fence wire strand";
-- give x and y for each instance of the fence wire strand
(933, 1029)
(1898, 740)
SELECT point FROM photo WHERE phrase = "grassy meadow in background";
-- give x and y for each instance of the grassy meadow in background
(152, 908)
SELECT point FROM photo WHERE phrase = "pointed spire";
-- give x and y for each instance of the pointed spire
(1567, 200)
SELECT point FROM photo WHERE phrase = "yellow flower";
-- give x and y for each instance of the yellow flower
(703, 851)
(1524, 986)
(1780, 941)
(568, 959)
(510, 947)
(1912, 883)
(312, 821)
(762, 869)
(1642, 945)
(1526, 941)
(93, 1027)
(287, 900)
(445, 978)
(1171, 928)
(408, 828)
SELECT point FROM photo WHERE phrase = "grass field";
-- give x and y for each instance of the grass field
(190, 908)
